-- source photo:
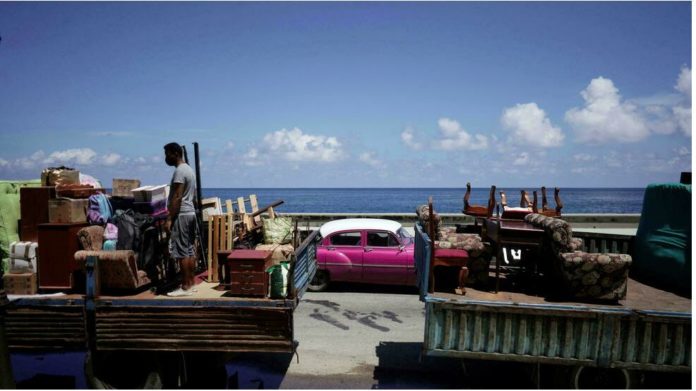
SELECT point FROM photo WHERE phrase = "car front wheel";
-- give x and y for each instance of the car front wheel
(320, 281)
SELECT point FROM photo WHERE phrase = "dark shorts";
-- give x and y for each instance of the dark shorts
(183, 236)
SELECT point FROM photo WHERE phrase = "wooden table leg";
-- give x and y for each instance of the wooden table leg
(463, 275)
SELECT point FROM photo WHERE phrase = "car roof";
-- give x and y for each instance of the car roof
(356, 224)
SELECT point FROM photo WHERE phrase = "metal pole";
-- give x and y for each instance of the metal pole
(199, 197)
(6, 377)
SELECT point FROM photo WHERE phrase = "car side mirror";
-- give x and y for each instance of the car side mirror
(402, 247)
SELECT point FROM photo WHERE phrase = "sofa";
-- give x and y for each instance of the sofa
(117, 268)
(575, 273)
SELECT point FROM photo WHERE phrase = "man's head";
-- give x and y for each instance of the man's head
(173, 154)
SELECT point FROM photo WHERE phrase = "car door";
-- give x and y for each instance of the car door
(385, 261)
(344, 256)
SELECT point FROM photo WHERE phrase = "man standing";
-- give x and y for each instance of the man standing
(181, 222)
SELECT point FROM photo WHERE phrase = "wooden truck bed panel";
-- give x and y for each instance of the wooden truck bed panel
(639, 297)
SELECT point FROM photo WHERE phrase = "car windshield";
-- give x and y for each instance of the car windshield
(405, 236)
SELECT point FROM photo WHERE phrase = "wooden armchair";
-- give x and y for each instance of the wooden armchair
(118, 269)
(478, 211)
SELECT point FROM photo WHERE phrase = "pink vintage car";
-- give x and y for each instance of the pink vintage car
(372, 251)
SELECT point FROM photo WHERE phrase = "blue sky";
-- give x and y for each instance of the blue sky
(350, 94)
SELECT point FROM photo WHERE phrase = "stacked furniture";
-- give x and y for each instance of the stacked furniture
(478, 255)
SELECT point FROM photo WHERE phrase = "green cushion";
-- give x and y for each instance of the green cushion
(662, 251)
(9, 212)
(277, 231)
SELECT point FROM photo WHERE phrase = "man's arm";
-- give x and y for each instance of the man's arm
(175, 206)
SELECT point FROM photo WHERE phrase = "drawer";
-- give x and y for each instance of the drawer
(247, 265)
(248, 277)
(249, 289)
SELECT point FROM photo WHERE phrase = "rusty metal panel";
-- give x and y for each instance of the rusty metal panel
(194, 329)
(55, 327)
(588, 337)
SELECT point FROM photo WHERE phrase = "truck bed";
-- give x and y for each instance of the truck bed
(639, 297)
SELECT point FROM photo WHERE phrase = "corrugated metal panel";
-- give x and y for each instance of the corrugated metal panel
(611, 339)
(305, 265)
(202, 329)
(45, 328)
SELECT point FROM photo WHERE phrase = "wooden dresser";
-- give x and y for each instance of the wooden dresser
(247, 272)
(56, 263)
(33, 203)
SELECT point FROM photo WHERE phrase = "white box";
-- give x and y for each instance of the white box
(22, 265)
(23, 250)
(150, 193)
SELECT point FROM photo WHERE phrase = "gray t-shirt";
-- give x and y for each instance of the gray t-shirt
(184, 174)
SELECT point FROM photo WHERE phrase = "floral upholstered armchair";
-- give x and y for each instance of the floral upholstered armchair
(117, 268)
(447, 238)
(578, 273)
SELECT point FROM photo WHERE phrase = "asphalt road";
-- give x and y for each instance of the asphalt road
(364, 337)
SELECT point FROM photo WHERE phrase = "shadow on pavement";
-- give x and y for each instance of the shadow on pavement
(401, 366)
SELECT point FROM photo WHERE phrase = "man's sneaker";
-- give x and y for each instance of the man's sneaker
(179, 292)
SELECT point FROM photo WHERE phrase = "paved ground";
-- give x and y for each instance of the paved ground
(358, 337)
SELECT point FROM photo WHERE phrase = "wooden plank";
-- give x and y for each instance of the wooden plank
(507, 334)
(678, 346)
(538, 341)
(492, 333)
(662, 345)
(254, 203)
(210, 249)
(463, 332)
(646, 343)
(240, 205)
(229, 208)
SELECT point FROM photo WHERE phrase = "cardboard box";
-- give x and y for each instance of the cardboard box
(60, 176)
(123, 187)
(20, 283)
(67, 210)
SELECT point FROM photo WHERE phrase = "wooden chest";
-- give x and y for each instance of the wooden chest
(247, 272)
(56, 264)
(20, 283)
(33, 203)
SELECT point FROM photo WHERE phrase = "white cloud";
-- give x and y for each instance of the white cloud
(684, 151)
(522, 159)
(455, 137)
(682, 113)
(140, 160)
(683, 117)
(294, 145)
(530, 126)
(229, 145)
(4, 163)
(605, 118)
(684, 82)
(252, 157)
(369, 158)
(110, 159)
(81, 156)
(583, 157)
(408, 138)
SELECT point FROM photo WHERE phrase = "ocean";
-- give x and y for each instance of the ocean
(445, 200)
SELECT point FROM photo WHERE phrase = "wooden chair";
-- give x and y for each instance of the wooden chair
(478, 211)
(526, 206)
(445, 257)
(545, 210)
